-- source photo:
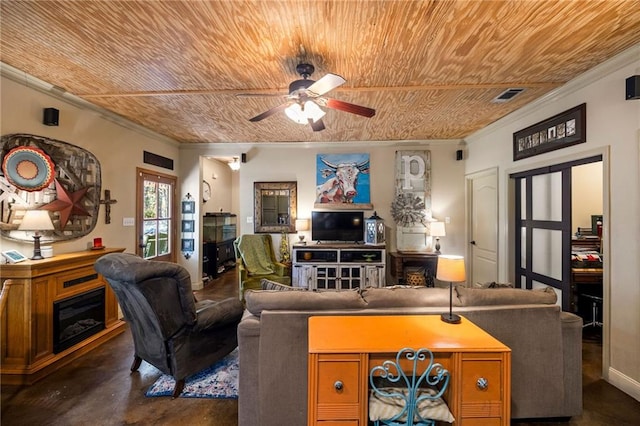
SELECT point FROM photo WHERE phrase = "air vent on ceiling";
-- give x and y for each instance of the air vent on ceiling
(507, 95)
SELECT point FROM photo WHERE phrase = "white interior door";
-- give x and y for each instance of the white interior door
(482, 193)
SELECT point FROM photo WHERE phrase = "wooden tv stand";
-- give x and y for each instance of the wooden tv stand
(345, 348)
(338, 266)
(26, 348)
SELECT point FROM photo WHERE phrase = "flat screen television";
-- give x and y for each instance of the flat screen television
(342, 226)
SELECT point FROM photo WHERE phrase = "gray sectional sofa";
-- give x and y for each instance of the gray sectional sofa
(546, 344)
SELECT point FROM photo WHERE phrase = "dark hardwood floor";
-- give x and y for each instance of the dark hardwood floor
(98, 389)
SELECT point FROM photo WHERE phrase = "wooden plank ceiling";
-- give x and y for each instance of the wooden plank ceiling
(429, 68)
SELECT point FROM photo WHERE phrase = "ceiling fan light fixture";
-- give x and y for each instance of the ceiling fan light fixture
(301, 114)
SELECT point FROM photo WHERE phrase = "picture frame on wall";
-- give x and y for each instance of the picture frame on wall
(188, 225)
(188, 207)
(560, 131)
(188, 244)
(343, 181)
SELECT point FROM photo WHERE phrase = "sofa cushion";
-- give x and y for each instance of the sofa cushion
(407, 296)
(260, 300)
(505, 296)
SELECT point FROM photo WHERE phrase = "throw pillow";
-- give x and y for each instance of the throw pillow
(506, 296)
(407, 297)
(493, 284)
(258, 300)
(266, 284)
(384, 408)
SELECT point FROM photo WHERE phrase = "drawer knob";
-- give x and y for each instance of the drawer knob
(482, 383)
(338, 385)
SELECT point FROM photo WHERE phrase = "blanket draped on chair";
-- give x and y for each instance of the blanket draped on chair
(254, 255)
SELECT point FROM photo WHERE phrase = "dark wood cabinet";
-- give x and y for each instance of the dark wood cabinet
(402, 263)
(219, 232)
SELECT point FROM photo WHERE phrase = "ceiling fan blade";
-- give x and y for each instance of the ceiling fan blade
(270, 112)
(347, 107)
(325, 84)
(316, 126)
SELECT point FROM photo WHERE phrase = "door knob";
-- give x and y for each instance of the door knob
(473, 242)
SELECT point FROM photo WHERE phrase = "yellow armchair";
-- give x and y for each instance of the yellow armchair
(256, 260)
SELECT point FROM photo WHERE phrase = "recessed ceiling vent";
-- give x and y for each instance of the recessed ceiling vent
(507, 95)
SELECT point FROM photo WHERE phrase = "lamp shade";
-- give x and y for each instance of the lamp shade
(437, 229)
(302, 224)
(36, 220)
(301, 114)
(451, 268)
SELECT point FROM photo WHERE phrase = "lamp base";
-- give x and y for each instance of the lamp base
(451, 318)
(301, 240)
(37, 253)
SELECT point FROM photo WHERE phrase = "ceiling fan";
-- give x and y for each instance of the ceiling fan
(306, 97)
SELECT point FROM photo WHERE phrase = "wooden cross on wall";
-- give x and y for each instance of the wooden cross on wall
(107, 205)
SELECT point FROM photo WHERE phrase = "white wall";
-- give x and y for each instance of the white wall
(613, 129)
(219, 176)
(297, 162)
(586, 194)
(119, 150)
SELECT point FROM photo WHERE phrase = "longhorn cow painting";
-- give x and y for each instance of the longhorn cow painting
(343, 181)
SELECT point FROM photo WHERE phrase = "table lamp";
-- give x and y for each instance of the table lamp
(451, 268)
(36, 220)
(437, 230)
(302, 225)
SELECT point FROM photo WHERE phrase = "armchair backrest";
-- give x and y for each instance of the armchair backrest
(155, 297)
(256, 253)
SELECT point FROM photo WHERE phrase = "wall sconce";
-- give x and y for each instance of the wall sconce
(234, 164)
(36, 220)
(437, 230)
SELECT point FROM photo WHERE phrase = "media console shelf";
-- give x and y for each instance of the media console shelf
(338, 266)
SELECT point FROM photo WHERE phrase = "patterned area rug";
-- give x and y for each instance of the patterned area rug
(218, 381)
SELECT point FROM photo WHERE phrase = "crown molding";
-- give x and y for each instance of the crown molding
(626, 58)
(59, 93)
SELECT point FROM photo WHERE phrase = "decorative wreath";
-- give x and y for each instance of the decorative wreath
(408, 210)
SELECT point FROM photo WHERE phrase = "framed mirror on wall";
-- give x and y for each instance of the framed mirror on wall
(275, 207)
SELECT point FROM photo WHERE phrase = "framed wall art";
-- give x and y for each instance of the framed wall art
(188, 207)
(560, 131)
(188, 244)
(188, 225)
(343, 182)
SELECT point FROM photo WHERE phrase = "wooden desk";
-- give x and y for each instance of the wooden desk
(345, 348)
(584, 281)
(400, 261)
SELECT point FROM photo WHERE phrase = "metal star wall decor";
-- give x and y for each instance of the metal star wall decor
(67, 204)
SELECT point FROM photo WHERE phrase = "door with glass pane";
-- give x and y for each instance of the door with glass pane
(155, 225)
(543, 230)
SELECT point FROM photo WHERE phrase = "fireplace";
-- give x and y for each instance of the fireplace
(78, 317)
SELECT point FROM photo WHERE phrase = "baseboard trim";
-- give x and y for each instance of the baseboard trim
(624, 383)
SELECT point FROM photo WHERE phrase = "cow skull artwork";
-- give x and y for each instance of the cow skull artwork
(343, 181)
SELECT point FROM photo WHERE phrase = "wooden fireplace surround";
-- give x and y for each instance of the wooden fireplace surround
(26, 344)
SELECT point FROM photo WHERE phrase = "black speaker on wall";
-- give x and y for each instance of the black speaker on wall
(633, 87)
(459, 155)
(51, 116)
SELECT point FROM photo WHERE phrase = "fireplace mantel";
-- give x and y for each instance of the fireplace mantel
(26, 346)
